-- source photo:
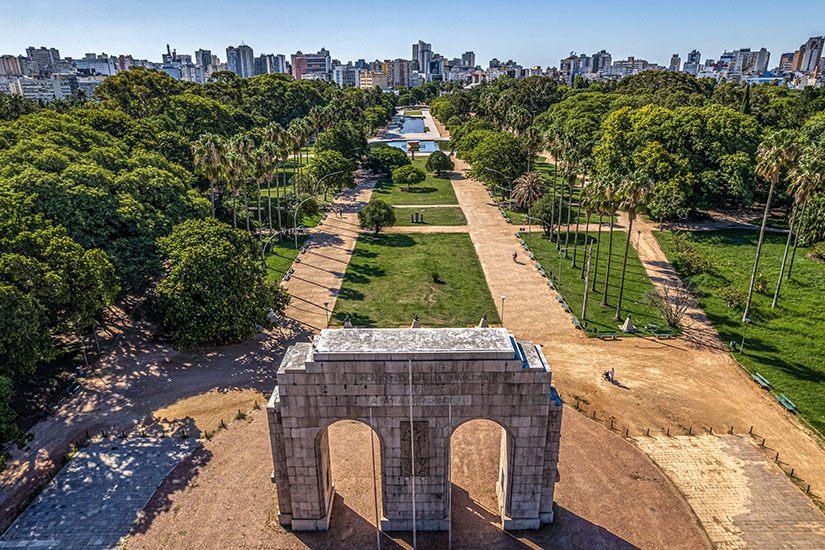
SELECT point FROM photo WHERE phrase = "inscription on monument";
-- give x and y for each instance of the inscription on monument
(420, 433)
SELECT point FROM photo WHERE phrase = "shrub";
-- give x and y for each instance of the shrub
(761, 284)
(438, 162)
(818, 251)
(733, 297)
(376, 216)
(408, 175)
(689, 260)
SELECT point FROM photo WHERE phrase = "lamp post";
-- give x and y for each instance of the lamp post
(746, 320)
(326, 309)
(502, 310)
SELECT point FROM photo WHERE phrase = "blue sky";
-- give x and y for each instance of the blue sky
(531, 32)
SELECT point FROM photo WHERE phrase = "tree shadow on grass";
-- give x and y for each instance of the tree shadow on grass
(365, 271)
(395, 240)
(357, 319)
(418, 190)
(350, 294)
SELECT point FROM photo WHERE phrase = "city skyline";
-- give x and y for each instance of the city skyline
(278, 29)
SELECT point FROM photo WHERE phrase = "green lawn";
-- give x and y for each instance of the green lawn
(784, 344)
(433, 190)
(280, 255)
(437, 215)
(571, 287)
(412, 113)
(389, 280)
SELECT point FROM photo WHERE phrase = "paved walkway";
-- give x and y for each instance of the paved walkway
(742, 500)
(318, 277)
(96, 497)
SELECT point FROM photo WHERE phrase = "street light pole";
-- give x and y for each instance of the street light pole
(746, 320)
(502, 310)
(326, 309)
(587, 281)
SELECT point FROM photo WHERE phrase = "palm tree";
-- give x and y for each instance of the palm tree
(596, 200)
(296, 141)
(233, 168)
(806, 177)
(635, 195)
(274, 136)
(570, 169)
(208, 153)
(610, 198)
(529, 188)
(518, 119)
(532, 141)
(774, 154)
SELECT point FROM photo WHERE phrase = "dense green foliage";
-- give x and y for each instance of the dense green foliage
(383, 160)
(408, 176)
(376, 216)
(439, 162)
(214, 290)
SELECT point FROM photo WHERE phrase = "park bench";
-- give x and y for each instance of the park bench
(565, 307)
(517, 235)
(559, 298)
(532, 257)
(661, 335)
(538, 266)
(550, 284)
(761, 380)
(297, 260)
(291, 270)
(72, 388)
(524, 246)
(611, 335)
(787, 403)
(543, 273)
(286, 277)
(576, 323)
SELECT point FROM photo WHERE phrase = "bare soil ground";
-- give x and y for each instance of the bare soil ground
(610, 496)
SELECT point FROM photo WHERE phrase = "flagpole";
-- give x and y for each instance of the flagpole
(412, 453)
(374, 485)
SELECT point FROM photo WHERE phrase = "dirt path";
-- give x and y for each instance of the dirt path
(318, 277)
(222, 497)
(689, 383)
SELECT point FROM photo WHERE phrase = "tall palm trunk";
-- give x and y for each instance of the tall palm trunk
(278, 199)
(246, 207)
(596, 263)
(212, 196)
(561, 203)
(758, 251)
(553, 209)
(576, 241)
(586, 229)
(784, 258)
(609, 261)
(567, 231)
(234, 210)
(269, 199)
(618, 316)
(796, 239)
(260, 224)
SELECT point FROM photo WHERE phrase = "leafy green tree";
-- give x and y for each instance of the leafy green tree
(138, 92)
(438, 162)
(408, 176)
(214, 290)
(499, 152)
(332, 170)
(346, 138)
(376, 216)
(386, 159)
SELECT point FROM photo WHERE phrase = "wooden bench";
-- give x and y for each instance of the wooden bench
(611, 335)
(787, 403)
(72, 388)
(761, 380)
(576, 323)
(661, 335)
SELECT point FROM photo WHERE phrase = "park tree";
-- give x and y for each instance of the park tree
(438, 162)
(386, 159)
(346, 138)
(213, 289)
(331, 170)
(138, 92)
(499, 159)
(408, 176)
(376, 216)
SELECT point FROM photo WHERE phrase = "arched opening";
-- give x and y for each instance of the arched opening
(345, 451)
(481, 453)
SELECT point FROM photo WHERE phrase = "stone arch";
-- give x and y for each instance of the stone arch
(507, 456)
(323, 463)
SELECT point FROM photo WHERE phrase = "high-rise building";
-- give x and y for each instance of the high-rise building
(809, 55)
(241, 60)
(422, 54)
(266, 64)
(9, 65)
(600, 61)
(468, 59)
(347, 75)
(675, 63)
(786, 62)
(312, 65)
(494, 63)
(204, 59)
(399, 73)
(374, 79)
(694, 57)
(44, 57)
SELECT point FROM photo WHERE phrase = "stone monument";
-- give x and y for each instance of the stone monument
(453, 375)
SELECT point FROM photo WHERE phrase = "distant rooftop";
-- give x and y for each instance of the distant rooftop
(350, 344)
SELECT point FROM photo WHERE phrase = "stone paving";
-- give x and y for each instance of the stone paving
(93, 501)
(742, 499)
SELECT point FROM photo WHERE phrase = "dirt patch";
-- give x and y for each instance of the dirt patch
(222, 497)
(207, 410)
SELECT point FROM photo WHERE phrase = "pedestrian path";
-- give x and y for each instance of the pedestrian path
(316, 280)
(97, 496)
(742, 500)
